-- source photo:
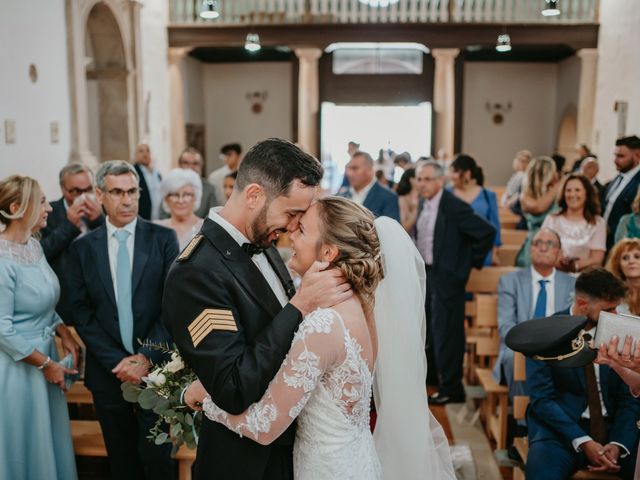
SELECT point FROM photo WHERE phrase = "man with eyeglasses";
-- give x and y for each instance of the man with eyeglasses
(534, 292)
(115, 283)
(73, 215)
(451, 239)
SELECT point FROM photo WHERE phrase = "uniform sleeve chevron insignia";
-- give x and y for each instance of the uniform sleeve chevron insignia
(209, 320)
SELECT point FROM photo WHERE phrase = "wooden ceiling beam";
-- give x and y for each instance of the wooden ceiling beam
(433, 35)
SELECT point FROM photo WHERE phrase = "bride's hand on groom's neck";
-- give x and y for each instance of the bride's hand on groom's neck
(321, 287)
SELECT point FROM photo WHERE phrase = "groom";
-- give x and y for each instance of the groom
(232, 309)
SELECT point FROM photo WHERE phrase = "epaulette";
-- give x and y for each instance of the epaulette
(189, 249)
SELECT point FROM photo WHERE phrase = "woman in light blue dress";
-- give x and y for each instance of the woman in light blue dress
(35, 433)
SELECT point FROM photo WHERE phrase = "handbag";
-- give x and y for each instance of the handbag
(618, 324)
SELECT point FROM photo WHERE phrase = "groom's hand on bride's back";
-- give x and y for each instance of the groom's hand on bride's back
(322, 287)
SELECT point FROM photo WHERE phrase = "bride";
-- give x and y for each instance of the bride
(327, 378)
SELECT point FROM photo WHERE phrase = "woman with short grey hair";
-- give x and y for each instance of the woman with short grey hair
(181, 191)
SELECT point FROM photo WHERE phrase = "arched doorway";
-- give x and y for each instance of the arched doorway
(568, 135)
(107, 89)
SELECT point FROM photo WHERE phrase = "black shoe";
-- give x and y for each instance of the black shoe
(437, 399)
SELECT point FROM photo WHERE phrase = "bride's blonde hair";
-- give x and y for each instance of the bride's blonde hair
(351, 228)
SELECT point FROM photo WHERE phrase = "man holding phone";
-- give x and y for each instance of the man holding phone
(73, 215)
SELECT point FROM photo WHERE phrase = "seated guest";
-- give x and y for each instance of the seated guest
(116, 282)
(534, 292)
(624, 263)
(35, 435)
(408, 199)
(451, 239)
(150, 178)
(366, 191)
(583, 153)
(76, 213)
(619, 194)
(539, 191)
(579, 225)
(181, 193)
(467, 180)
(229, 183)
(192, 158)
(629, 224)
(590, 169)
(511, 193)
(582, 416)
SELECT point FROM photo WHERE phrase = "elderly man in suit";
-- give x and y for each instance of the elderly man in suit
(582, 416)
(534, 292)
(451, 239)
(116, 282)
(232, 307)
(75, 214)
(618, 194)
(366, 191)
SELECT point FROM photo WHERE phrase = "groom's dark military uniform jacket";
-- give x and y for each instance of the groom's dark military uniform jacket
(232, 330)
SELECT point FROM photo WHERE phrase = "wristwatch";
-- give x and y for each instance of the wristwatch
(45, 364)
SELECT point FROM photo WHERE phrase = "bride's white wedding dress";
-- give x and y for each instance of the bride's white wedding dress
(326, 383)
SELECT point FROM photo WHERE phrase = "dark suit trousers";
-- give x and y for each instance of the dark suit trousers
(445, 338)
(125, 427)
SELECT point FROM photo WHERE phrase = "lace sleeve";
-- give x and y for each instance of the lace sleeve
(316, 346)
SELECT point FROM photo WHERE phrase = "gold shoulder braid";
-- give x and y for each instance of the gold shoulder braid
(578, 344)
(188, 250)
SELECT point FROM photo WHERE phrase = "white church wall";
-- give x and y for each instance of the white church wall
(33, 107)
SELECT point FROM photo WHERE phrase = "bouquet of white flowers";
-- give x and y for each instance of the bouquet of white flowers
(161, 392)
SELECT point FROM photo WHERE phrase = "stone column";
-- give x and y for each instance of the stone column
(176, 103)
(444, 90)
(308, 98)
(587, 95)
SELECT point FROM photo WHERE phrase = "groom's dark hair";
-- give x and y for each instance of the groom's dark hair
(275, 164)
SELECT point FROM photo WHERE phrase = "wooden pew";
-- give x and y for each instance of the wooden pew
(495, 407)
(88, 442)
(507, 255)
(79, 394)
(511, 236)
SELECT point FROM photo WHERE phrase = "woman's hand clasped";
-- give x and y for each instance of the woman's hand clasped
(629, 357)
(54, 373)
(195, 395)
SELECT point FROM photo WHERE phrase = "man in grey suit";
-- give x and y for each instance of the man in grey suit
(537, 291)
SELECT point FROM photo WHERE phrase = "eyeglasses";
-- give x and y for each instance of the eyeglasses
(117, 194)
(186, 196)
(75, 192)
(546, 243)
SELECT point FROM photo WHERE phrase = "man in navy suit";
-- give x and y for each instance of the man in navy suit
(366, 191)
(562, 436)
(521, 297)
(618, 194)
(116, 282)
(76, 213)
(150, 199)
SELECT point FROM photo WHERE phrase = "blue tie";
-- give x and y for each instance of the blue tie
(541, 302)
(123, 278)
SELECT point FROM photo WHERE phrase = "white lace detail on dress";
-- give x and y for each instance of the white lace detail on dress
(25, 254)
(326, 384)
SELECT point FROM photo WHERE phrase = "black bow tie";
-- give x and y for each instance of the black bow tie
(252, 249)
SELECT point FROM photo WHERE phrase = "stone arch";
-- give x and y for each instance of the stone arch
(568, 134)
(105, 79)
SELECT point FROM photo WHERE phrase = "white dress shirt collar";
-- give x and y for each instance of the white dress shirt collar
(359, 197)
(129, 227)
(236, 234)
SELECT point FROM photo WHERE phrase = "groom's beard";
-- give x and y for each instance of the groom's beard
(259, 230)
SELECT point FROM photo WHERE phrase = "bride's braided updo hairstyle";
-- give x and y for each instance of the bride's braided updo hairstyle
(350, 227)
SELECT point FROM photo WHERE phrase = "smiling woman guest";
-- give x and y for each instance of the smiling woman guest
(578, 223)
(35, 435)
(181, 193)
(624, 263)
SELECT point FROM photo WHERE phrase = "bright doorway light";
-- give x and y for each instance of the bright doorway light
(400, 128)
